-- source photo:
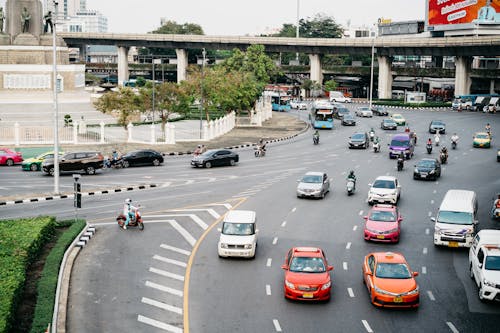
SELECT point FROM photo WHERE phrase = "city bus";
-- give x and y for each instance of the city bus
(280, 102)
(321, 115)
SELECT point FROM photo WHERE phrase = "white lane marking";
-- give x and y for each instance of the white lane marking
(209, 210)
(348, 246)
(159, 324)
(164, 288)
(424, 270)
(360, 213)
(175, 249)
(194, 217)
(170, 261)
(429, 213)
(435, 191)
(350, 292)
(275, 240)
(184, 233)
(343, 172)
(161, 305)
(189, 182)
(166, 184)
(283, 224)
(427, 231)
(432, 202)
(354, 228)
(268, 290)
(424, 251)
(357, 166)
(277, 326)
(294, 209)
(166, 274)
(367, 326)
(431, 295)
(269, 262)
(452, 327)
(344, 266)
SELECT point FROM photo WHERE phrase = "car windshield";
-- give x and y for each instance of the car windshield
(240, 229)
(388, 121)
(426, 164)
(384, 184)
(208, 153)
(364, 109)
(400, 143)
(343, 110)
(358, 136)
(454, 217)
(437, 123)
(392, 271)
(43, 156)
(482, 136)
(312, 179)
(398, 116)
(307, 265)
(492, 263)
(382, 216)
(348, 117)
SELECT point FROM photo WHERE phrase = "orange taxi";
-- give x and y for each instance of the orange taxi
(307, 274)
(390, 281)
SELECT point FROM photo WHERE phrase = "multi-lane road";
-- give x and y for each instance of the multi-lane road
(169, 277)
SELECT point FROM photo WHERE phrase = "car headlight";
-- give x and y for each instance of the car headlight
(412, 292)
(432, 171)
(392, 230)
(223, 245)
(289, 285)
(326, 285)
(469, 231)
(381, 291)
(248, 246)
(488, 283)
(416, 170)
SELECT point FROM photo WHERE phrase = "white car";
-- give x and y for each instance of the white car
(298, 105)
(313, 185)
(385, 189)
(484, 264)
(238, 235)
(338, 96)
(364, 111)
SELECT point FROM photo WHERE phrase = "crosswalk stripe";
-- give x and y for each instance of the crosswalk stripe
(164, 288)
(166, 274)
(170, 261)
(161, 305)
(194, 217)
(159, 324)
(184, 233)
(175, 249)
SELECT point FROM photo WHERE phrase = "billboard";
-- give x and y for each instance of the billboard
(450, 14)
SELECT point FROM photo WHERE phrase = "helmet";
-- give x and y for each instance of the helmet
(351, 172)
(128, 200)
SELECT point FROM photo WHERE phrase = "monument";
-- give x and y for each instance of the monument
(26, 50)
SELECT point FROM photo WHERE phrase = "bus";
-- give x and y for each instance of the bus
(321, 115)
(280, 102)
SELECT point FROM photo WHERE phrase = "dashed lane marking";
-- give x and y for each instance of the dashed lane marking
(166, 289)
(367, 326)
(427, 231)
(268, 290)
(269, 262)
(431, 295)
(275, 240)
(166, 274)
(429, 213)
(424, 270)
(294, 209)
(170, 261)
(350, 292)
(159, 324)
(432, 202)
(283, 224)
(348, 246)
(277, 326)
(344, 266)
(355, 228)
(435, 191)
(452, 327)
(175, 249)
(360, 213)
(161, 305)
(424, 250)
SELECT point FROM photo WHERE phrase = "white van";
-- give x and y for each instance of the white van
(456, 220)
(238, 236)
(338, 96)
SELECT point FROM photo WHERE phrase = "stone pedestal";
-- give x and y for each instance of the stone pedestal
(4, 39)
(26, 39)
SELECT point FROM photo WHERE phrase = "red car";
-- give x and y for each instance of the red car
(307, 274)
(383, 224)
(10, 157)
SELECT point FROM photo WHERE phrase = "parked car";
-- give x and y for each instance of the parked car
(307, 274)
(364, 111)
(142, 157)
(390, 281)
(437, 126)
(9, 157)
(35, 163)
(87, 161)
(313, 185)
(388, 124)
(359, 140)
(383, 224)
(399, 119)
(427, 168)
(379, 110)
(385, 189)
(481, 140)
(215, 157)
(348, 120)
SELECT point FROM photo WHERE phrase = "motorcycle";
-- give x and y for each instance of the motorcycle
(495, 211)
(315, 139)
(400, 163)
(453, 145)
(350, 186)
(443, 157)
(260, 152)
(429, 148)
(436, 140)
(113, 163)
(372, 135)
(376, 147)
(135, 221)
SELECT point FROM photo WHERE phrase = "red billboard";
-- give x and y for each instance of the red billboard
(451, 12)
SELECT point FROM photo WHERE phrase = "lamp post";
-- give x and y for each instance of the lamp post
(203, 52)
(56, 112)
(155, 61)
(297, 31)
(371, 72)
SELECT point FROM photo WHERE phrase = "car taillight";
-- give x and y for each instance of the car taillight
(18, 153)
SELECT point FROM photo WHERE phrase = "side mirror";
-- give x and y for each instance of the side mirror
(415, 273)
(284, 266)
(370, 184)
(256, 231)
(365, 217)
(369, 273)
(433, 219)
(329, 268)
(476, 221)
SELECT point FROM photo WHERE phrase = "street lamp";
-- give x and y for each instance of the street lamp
(155, 61)
(371, 71)
(297, 31)
(203, 52)
(56, 112)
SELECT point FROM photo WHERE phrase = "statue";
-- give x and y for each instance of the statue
(25, 20)
(48, 23)
(2, 18)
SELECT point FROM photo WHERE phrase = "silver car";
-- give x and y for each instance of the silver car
(313, 185)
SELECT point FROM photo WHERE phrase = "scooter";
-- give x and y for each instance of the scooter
(400, 163)
(495, 211)
(260, 152)
(443, 158)
(372, 135)
(376, 147)
(315, 139)
(453, 145)
(429, 148)
(350, 186)
(436, 140)
(135, 221)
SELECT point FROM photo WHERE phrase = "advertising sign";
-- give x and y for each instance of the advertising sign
(445, 14)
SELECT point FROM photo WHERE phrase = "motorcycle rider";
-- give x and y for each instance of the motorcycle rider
(436, 138)
(454, 138)
(400, 160)
(488, 129)
(114, 157)
(444, 151)
(316, 136)
(197, 151)
(352, 177)
(262, 145)
(376, 144)
(129, 212)
(414, 137)
(372, 134)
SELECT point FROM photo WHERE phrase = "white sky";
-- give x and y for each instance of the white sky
(248, 17)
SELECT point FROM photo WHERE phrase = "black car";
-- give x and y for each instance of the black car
(142, 157)
(388, 124)
(215, 157)
(437, 125)
(86, 161)
(359, 140)
(340, 111)
(427, 168)
(379, 110)
(348, 120)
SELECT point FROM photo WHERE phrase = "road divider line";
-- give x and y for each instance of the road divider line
(170, 261)
(209, 210)
(166, 289)
(277, 326)
(268, 290)
(367, 326)
(432, 202)
(360, 213)
(175, 249)
(424, 250)
(159, 324)
(294, 209)
(429, 213)
(348, 246)
(166, 274)
(452, 327)
(355, 228)
(344, 266)
(431, 295)
(283, 224)
(350, 292)
(194, 217)
(184, 233)
(424, 270)
(275, 240)
(435, 191)
(427, 231)
(161, 305)
(269, 262)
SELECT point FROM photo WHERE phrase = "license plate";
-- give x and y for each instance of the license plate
(398, 299)
(380, 236)
(307, 295)
(323, 126)
(453, 244)
(423, 176)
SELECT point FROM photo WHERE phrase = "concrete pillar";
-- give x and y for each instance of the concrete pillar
(207, 132)
(170, 136)
(102, 131)
(17, 137)
(438, 61)
(182, 64)
(492, 86)
(463, 80)
(316, 73)
(153, 134)
(75, 132)
(384, 77)
(122, 64)
(129, 130)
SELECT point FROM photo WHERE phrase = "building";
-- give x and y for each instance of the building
(73, 16)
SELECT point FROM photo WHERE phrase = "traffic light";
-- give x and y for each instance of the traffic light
(77, 187)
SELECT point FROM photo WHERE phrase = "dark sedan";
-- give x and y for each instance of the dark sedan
(142, 157)
(427, 168)
(437, 125)
(359, 140)
(379, 110)
(216, 157)
(388, 124)
(348, 120)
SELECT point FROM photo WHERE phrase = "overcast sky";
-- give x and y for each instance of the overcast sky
(248, 17)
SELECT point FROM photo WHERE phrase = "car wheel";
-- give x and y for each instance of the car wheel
(126, 164)
(52, 171)
(480, 293)
(34, 167)
(10, 162)
(471, 272)
(156, 162)
(232, 162)
(323, 195)
(208, 165)
(90, 170)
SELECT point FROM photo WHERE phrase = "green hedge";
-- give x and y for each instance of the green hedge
(419, 105)
(46, 288)
(20, 243)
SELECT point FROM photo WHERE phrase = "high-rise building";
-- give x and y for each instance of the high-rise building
(73, 16)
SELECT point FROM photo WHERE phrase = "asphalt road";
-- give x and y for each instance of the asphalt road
(169, 277)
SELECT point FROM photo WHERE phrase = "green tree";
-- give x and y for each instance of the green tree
(254, 61)
(124, 101)
(330, 85)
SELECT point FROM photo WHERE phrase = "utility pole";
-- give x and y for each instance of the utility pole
(55, 92)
